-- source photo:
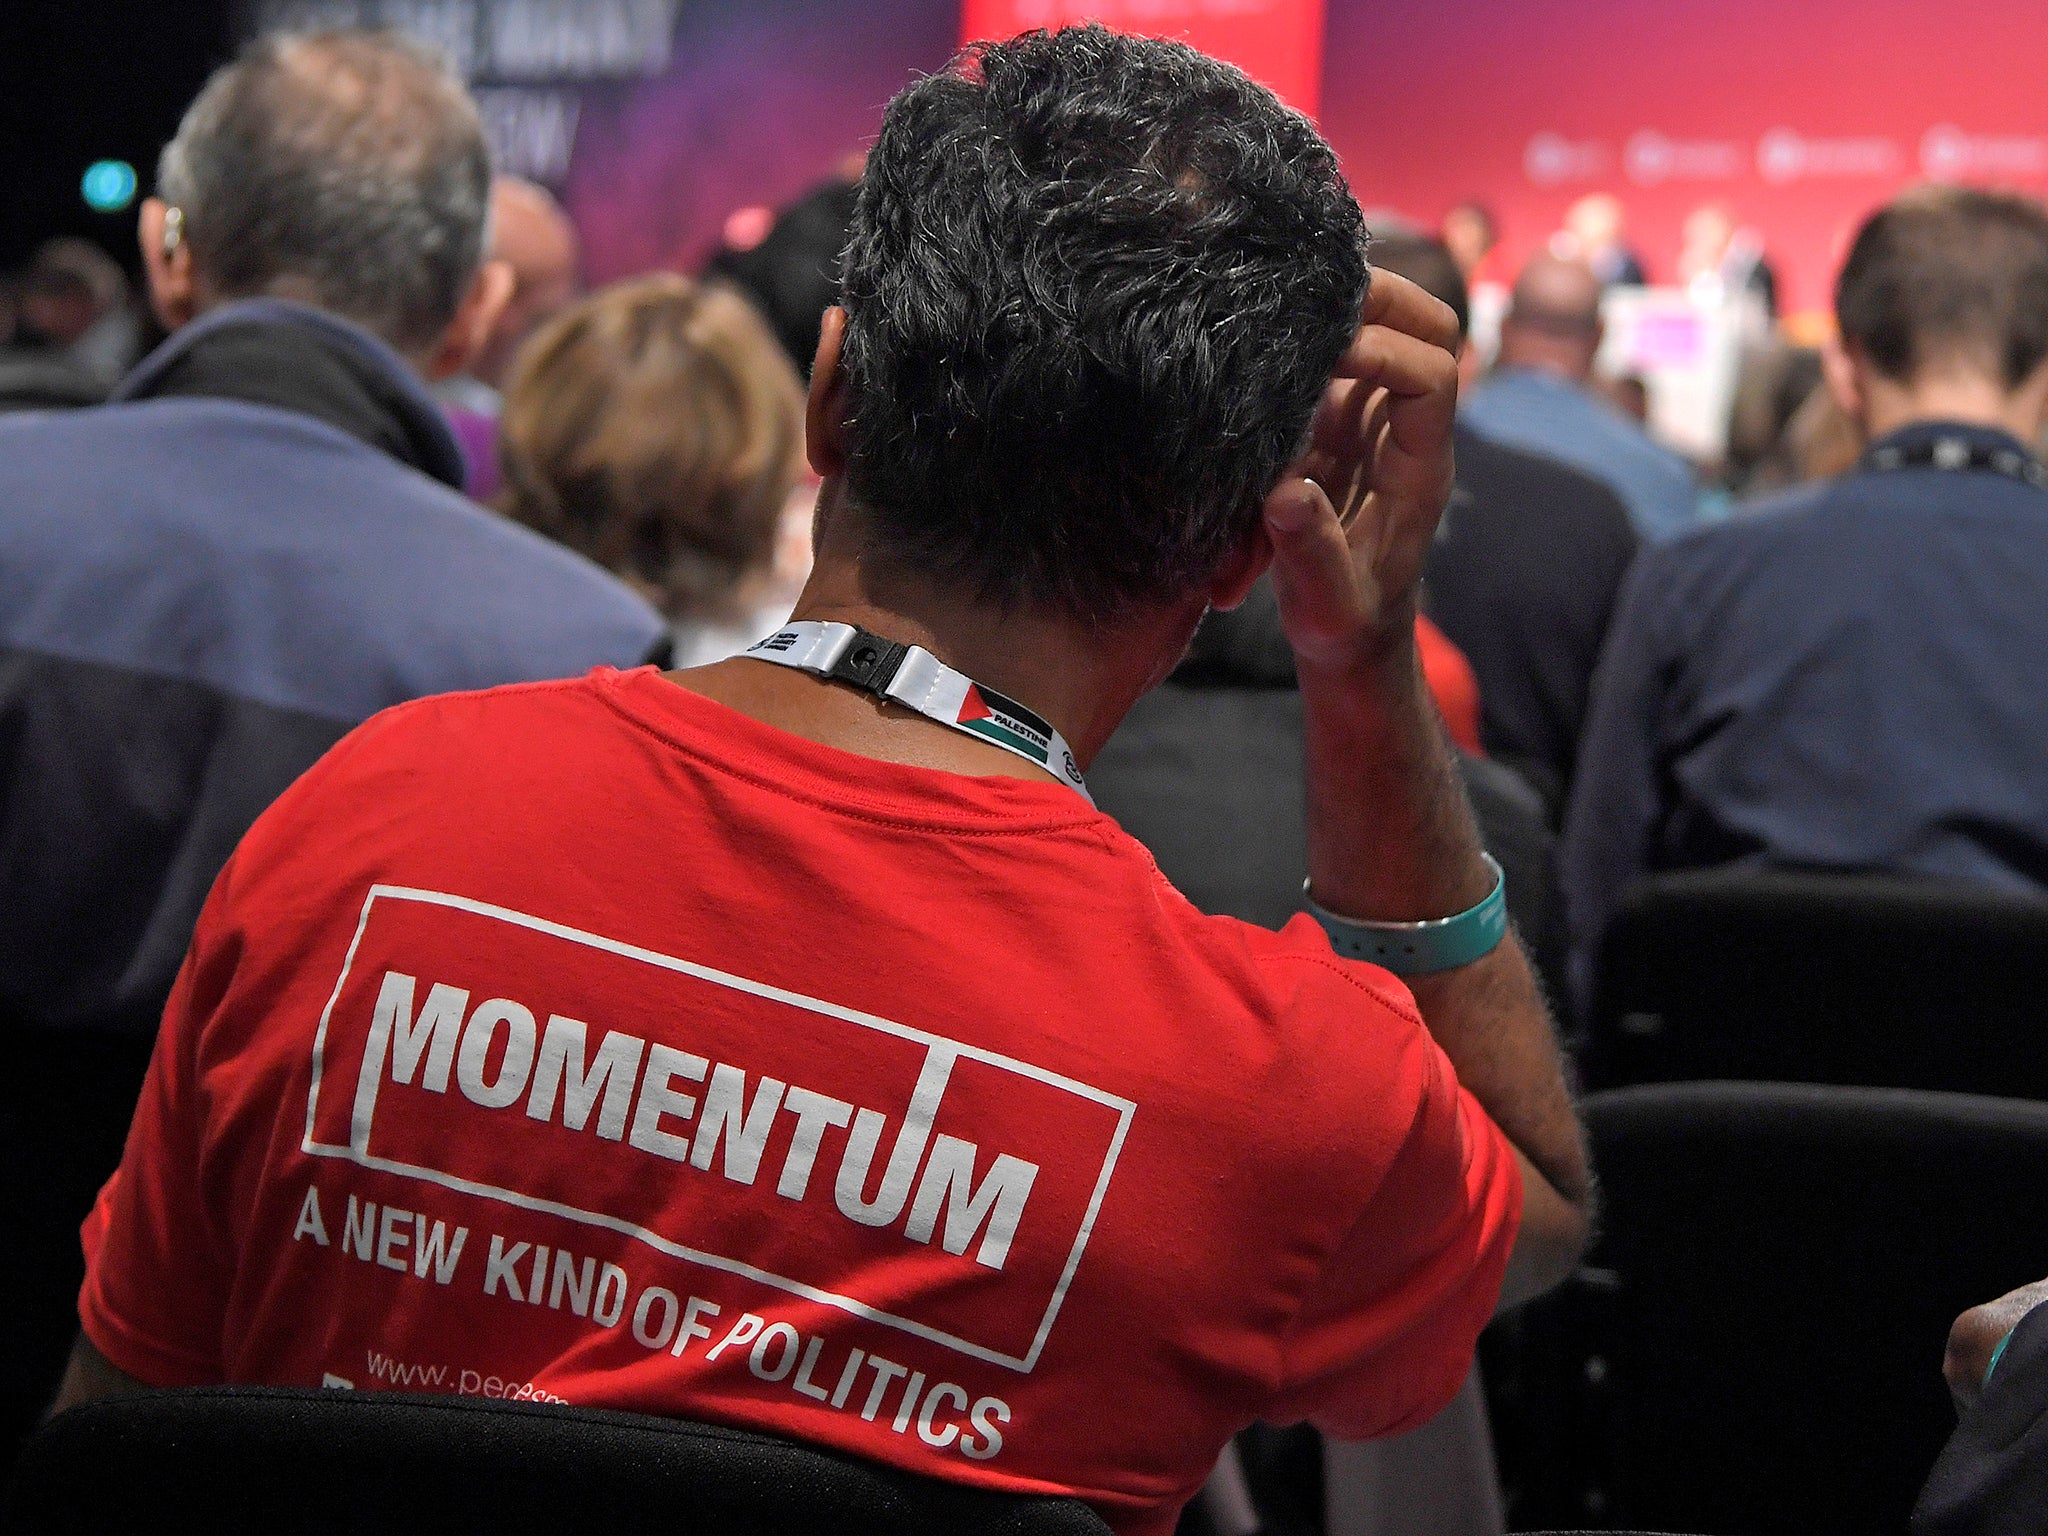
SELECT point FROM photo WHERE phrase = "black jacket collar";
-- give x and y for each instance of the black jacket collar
(296, 358)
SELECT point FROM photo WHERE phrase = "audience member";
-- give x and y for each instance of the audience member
(75, 304)
(1523, 575)
(1044, 459)
(1472, 236)
(1596, 232)
(657, 428)
(208, 583)
(1772, 382)
(1992, 1478)
(532, 239)
(1540, 397)
(1849, 678)
(792, 274)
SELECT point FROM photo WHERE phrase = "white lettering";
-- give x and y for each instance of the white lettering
(499, 1267)
(803, 1382)
(395, 1033)
(948, 1184)
(986, 1410)
(814, 1112)
(516, 1063)
(359, 1239)
(433, 1034)
(909, 1404)
(886, 1371)
(432, 1250)
(561, 1066)
(846, 1378)
(746, 1136)
(757, 1360)
(925, 1430)
(664, 1065)
(576, 1281)
(904, 1157)
(611, 1297)
(692, 1329)
(309, 1219)
(741, 1332)
(393, 1235)
(655, 1338)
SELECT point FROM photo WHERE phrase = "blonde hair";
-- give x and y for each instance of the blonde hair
(656, 427)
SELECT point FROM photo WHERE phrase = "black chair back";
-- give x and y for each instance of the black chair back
(290, 1462)
(1818, 978)
(1755, 1345)
(65, 1102)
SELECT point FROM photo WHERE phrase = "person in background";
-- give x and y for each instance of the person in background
(1992, 1477)
(1150, 1174)
(533, 241)
(1522, 576)
(74, 333)
(1596, 232)
(257, 546)
(792, 274)
(1849, 678)
(1540, 397)
(1472, 236)
(657, 428)
(1719, 259)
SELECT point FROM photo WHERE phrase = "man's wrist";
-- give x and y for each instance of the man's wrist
(1383, 662)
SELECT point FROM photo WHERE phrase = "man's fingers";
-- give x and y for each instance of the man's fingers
(1313, 575)
(1395, 302)
(1394, 360)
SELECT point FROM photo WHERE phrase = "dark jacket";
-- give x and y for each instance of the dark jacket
(1853, 677)
(203, 586)
(1523, 577)
(1206, 772)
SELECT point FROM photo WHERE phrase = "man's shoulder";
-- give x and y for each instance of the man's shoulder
(273, 556)
(1523, 481)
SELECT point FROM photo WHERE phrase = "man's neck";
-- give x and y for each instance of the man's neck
(1966, 399)
(1082, 680)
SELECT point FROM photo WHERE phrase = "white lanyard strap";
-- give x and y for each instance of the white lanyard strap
(912, 676)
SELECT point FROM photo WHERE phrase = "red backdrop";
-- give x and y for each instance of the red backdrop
(1276, 42)
(1800, 116)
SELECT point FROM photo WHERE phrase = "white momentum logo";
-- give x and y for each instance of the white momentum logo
(760, 1093)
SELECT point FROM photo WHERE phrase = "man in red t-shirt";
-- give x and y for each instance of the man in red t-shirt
(794, 1046)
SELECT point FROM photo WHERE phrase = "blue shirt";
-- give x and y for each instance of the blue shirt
(1854, 677)
(200, 593)
(1545, 414)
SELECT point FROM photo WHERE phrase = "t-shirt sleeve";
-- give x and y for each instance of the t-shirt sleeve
(157, 1256)
(1385, 1338)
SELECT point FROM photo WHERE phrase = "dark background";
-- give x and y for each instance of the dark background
(86, 80)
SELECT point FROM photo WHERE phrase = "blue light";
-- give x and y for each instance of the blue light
(109, 185)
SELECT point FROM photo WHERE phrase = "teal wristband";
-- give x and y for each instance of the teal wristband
(1997, 1355)
(1422, 949)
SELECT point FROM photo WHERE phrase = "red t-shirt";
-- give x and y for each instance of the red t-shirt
(591, 1041)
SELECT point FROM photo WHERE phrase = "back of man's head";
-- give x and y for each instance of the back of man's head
(345, 169)
(1095, 286)
(1948, 279)
(1553, 318)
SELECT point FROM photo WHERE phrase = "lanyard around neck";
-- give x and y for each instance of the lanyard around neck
(912, 676)
(1959, 455)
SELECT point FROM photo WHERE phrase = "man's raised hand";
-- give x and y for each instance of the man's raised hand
(1352, 522)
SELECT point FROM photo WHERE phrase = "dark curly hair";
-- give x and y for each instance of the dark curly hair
(1095, 285)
